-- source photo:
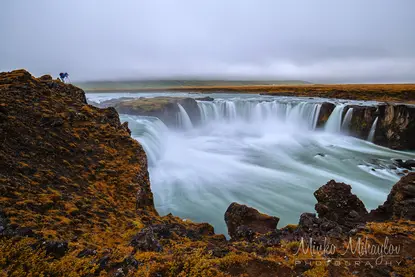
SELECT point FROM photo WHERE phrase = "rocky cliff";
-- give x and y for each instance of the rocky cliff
(395, 127)
(76, 201)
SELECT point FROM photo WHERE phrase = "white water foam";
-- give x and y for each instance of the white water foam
(333, 124)
(264, 154)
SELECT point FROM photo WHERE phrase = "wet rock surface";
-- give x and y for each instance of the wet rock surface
(395, 127)
(325, 112)
(362, 120)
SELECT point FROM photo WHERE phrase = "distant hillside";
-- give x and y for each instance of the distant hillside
(152, 84)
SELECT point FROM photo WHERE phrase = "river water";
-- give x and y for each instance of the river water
(261, 151)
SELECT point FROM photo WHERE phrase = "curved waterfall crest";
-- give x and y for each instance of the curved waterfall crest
(183, 118)
(347, 119)
(302, 113)
(151, 132)
(333, 124)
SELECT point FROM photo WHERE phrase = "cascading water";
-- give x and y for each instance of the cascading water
(372, 130)
(262, 152)
(151, 132)
(347, 119)
(333, 124)
(316, 115)
(303, 113)
(208, 111)
(184, 119)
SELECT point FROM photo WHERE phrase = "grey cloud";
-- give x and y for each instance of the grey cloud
(320, 40)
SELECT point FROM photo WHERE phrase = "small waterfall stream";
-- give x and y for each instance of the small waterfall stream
(347, 119)
(184, 119)
(372, 132)
(333, 124)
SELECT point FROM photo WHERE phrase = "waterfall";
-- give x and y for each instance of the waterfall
(150, 132)
(347, 119)
(372, 130)
(208, 111)
(300, 113)
(333, 124)
(184, 119)
(230, 110)
(315, 115)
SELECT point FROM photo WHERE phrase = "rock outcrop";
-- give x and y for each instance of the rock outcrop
(325, 112)
(339, 212)
(335, 202)
(165, 108)
(395, 127)
(245, 222)
(400, 203)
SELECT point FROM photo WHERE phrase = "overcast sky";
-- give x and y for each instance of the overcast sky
(312, 40)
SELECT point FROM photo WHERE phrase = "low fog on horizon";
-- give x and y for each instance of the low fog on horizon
(321, 41)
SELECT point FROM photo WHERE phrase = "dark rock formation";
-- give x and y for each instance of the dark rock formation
(338, 204)
(56, 249)
(207, 98)
(325, 112)
(312, 226)
(395, 127)
(244, 222)
(341, 213)
(362, 120)
(408, 164)
(400, 203)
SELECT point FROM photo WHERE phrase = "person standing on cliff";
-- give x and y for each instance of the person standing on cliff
(64, 76)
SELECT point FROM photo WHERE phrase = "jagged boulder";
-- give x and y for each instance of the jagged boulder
(244, 222)
(400, 203)
(338, 204)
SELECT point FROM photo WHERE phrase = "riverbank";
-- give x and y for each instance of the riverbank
(404, 93)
